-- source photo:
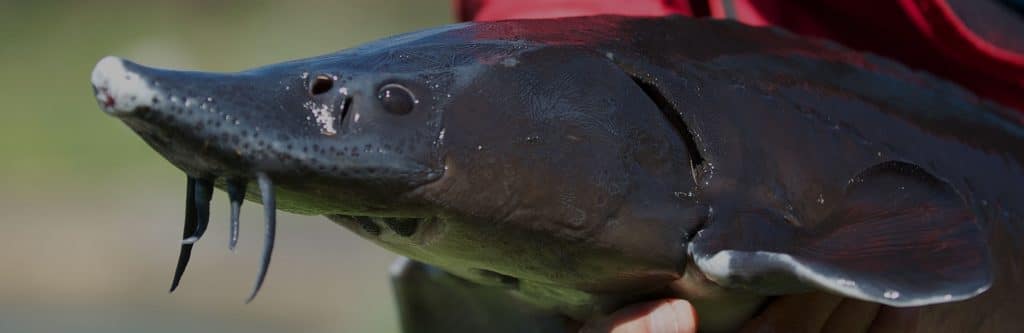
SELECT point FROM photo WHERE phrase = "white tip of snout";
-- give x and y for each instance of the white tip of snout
(118, 90)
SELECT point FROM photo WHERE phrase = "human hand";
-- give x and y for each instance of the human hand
(661, 316)
(811, 312)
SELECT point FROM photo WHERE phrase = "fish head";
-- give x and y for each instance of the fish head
(485, 154)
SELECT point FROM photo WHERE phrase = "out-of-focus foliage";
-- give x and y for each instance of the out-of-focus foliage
(91, 215)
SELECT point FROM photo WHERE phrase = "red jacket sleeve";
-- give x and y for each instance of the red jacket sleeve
(493, 10)
(978, 44)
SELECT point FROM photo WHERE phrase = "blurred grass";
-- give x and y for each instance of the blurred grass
(92, 215)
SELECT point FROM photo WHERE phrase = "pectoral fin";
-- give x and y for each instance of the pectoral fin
(900, 237)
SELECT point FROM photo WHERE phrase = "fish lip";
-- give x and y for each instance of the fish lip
(379, 223)
(429, 226)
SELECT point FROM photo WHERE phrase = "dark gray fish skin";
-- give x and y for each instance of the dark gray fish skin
(587, 163)
(190, 228)
(236, 195)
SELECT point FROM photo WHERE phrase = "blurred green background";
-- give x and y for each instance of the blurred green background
(91, 216)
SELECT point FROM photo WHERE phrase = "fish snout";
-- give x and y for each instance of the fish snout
(120, 91)
(205, 123)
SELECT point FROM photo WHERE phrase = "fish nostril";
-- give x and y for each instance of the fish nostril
(321, 84)
(343, 107)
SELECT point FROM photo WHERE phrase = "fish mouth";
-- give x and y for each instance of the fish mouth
(417, 230)
(199, 193)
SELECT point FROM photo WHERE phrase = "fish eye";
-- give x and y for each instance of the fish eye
(321, 84)
(396, 98)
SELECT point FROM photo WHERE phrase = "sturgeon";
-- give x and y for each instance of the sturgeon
(533, 169)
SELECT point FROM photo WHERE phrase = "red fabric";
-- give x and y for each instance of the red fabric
(493, 10)
(924, 34)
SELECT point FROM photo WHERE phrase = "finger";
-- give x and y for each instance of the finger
(662, 316)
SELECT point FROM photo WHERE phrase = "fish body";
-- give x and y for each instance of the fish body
(568, 167)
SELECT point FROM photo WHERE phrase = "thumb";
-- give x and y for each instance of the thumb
(661, 316)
